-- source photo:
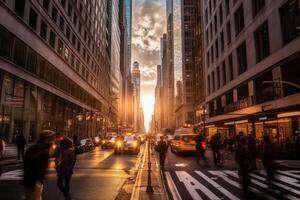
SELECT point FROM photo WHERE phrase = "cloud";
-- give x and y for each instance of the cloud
(148, 24)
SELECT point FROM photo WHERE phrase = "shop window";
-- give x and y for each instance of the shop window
(6, 40)
(43, 30)
(257, 5)
(262, 45)
(32, 18)
(52, 39)
(239, 20)
(31, 61)
(19, 7)
(19, 53)
(290, 20)
(242, 58)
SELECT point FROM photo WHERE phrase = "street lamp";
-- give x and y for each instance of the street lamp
(202, 111)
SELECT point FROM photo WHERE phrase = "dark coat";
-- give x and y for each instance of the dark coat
(162, 147)
(199, 139)
(35, 164)
(20, 142)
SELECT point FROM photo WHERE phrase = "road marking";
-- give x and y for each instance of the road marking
(172, 187)
(14, 175)
(192, 185)
(282, 178)
(216, 185)
(290, 173)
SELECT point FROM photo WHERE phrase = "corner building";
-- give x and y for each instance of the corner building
(54, 68)
(252, 67)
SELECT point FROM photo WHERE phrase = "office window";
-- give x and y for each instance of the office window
(216, 24)
(213, 81)
(221, 14)
(52, 39)
(68, 32)
(218, 77)
(217, 48)
(61, 23)
(6, 40)
(262, 45)
(212, 54)
(72, 60)
(54, 14)
(70, 9)
(78, 46)
(75, 19)
(19, 53)
(227, 7)
(242, 58)
(79, 27)
(257, 5)
(206, 16)
(208, 83)
(43, 30)
(222, 40)
(73, 39)
(207, 59)
(31, 61)
(63, 3)
(224, 73)
(228, 33)
(230, 67)
(290, 20)
(46, 4)
(32, 18)
(229, 98)
(60, 47)
(239, 20)
(19, 7)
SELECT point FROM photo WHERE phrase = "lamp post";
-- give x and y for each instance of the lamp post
(203, 112)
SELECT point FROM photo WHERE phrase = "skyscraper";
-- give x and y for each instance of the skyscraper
(54, 67)
(136, 80)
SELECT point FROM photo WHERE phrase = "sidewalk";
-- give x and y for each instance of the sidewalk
(10, 154)
(139, 189)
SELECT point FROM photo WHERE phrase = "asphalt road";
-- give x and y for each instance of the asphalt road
(188, 180)
(97, 175)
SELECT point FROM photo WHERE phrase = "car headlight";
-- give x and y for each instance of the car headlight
(96, 140)
(103, 142)
(134, 144)
(119, 144)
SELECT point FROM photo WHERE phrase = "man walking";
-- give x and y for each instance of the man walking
(20, 143)
(199, 139)
(35, 165)
(162, 150)
(65, 165)
(215, 144)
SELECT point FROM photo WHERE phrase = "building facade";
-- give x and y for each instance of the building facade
(252, 56)
(136, 80)
(54, 68)
(158, 107)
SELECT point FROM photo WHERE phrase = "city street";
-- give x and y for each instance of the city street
(187, 180)
(97, 175)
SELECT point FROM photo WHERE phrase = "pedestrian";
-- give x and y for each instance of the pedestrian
(297, 147)
(20, 143)
(64, 167)
(288, 148)
(2, 147)
(162, 147)
(252, 150)
(215, 144)
(35, 165)
(242, 158)
(200, 151)
(267, 157)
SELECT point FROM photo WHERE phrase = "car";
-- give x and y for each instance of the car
(96, 141)
(84, 145)
(183, 143)
(127, 144)
(108, 142)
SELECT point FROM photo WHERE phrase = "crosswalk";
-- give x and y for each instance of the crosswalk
(225, 184)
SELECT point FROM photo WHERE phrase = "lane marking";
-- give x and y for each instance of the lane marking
(172, 186)
(217, 186)
(14, 175)
(282, 178)
(192, 185)
(290, 173)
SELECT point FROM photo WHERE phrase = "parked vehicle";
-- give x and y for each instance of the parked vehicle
(183, 143)
(84, 145)
(108, 142)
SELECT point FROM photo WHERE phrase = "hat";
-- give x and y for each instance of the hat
(46, 133)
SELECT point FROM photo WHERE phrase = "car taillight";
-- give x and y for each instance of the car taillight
(203, 144)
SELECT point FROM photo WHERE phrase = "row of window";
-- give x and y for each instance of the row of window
(13, 49)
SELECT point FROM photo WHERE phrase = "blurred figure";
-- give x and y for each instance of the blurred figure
(267, 157)
(200, 151)
(242, 158)
(297, 147)
(20, 143)
(252, 151)
(288, 148)
(64, 167)
(35, 165)
(215, 144)
(2, 146)
(162, 150)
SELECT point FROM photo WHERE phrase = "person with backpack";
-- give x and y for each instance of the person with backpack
(243, 160)
(64, 167)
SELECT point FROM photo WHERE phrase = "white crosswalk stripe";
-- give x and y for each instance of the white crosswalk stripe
(216, 184)
(14, 175)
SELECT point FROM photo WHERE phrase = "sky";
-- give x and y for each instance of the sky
(148, 25)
